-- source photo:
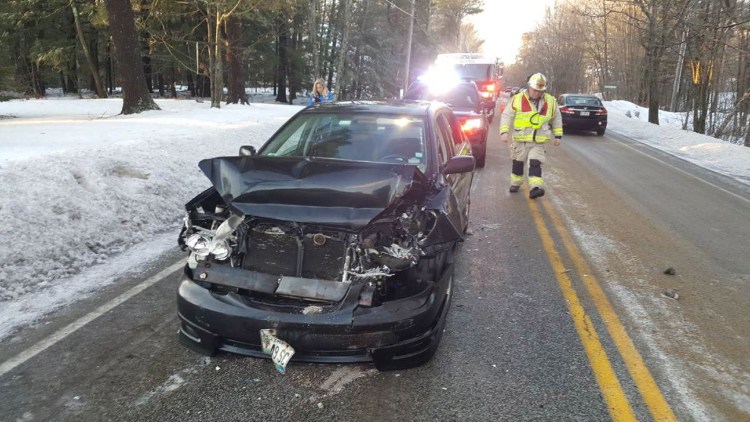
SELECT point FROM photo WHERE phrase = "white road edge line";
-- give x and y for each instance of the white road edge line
(677, 168)
(41, 346)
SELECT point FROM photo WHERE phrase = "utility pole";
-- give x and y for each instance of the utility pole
(408, 50)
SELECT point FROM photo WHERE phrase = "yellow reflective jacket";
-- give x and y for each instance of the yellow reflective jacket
(528, 123)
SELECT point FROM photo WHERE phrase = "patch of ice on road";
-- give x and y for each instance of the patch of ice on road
(679, 379)
(340, 378)
(172, 383)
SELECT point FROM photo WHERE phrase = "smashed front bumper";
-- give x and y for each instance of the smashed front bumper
(397, 334)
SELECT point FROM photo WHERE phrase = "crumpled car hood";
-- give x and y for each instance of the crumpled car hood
(316, 191)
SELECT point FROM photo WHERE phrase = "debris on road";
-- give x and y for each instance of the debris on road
(670, 271)
(671, 293)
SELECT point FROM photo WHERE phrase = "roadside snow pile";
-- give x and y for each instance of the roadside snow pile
(81, 184)
(720, 156)
(635, 111)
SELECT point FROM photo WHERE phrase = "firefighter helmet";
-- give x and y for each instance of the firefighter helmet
(538, 82)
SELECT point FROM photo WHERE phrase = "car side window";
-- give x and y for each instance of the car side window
(440, 135)
(447, 136)
(456, 131)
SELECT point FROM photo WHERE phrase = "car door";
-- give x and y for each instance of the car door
(452, 142)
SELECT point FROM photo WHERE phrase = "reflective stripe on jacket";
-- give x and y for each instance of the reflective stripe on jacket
(530, 124)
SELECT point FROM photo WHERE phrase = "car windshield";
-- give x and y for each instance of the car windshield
(461, 96)
(352, 136)
(475, 71)
(583, 101)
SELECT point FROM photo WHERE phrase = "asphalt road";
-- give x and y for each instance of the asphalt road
(517, 345)
(639, 212)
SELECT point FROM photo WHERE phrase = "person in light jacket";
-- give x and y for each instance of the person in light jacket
(529, 122)
(320, 93)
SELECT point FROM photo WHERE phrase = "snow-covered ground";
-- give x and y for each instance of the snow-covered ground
(89, 195)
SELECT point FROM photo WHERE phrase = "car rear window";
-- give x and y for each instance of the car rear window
(583, 101)
(352, 136)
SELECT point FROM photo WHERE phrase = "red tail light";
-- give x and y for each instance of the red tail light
(471, 125)
(486, 88)
(602, 112)
(566, 110)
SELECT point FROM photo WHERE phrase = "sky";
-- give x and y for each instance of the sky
(502, 22)
(90, 196)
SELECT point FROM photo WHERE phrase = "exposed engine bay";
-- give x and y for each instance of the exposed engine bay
(390, 255)
(291, 230)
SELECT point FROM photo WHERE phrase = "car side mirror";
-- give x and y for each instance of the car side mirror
(460, 164)
(247, 150)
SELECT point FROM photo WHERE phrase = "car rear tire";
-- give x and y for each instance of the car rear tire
(600, 132)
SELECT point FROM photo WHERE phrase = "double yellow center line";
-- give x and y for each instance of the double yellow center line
(609, 384)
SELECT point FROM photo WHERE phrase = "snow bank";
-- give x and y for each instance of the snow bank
(81, 184)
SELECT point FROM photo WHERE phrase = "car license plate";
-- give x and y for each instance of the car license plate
(584, 113)
(279, 350)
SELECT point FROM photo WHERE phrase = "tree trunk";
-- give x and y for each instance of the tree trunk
(216, 75)
(281, 70)
(146, 47)
(191, 84)
(108, 69)
(93, 68)
(313, 37)
(235, 65)
(135, 96)
(652, 81)
(293, 73)
(340, 69)
(331, 39)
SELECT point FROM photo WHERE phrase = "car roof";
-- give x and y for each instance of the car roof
(579, 95)
(403, 107)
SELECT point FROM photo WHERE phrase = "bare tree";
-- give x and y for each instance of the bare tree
(93, 68)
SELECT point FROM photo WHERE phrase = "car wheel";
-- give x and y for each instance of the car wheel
(600, 132)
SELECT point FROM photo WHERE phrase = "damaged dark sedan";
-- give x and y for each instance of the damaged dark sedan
(334, 242)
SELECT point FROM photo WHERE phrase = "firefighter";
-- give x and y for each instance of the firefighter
(529, 121)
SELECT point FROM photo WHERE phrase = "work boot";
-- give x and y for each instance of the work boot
(536, 192)
(514, 189)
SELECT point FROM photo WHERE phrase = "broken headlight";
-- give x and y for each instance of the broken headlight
(201, 244)
(198, 244)
(220, 249)
(214, 242)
